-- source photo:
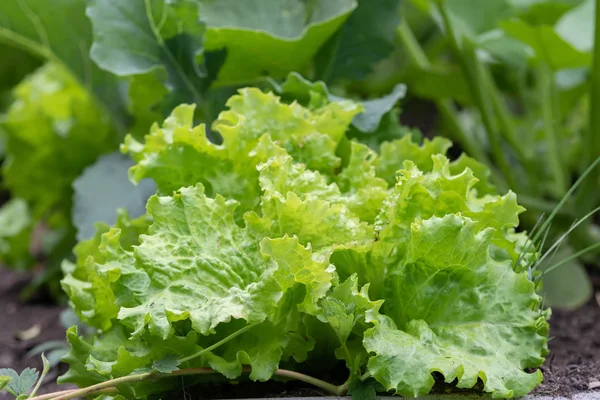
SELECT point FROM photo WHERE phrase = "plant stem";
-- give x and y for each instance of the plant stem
(219, 343)
(481, 93)
(328, 387)
(445, 106)
(587, 197)
(50, 396)
(473, 73)
(110, 385)
(507, 127)
(553, 155)
(106, 385)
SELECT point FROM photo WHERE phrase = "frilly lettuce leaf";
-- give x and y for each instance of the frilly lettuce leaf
(419, 195)
(365, 191)
(293, 196)
(179, 154)
(346, 310)
(90, 294)
(451, 308)
(316, 249)
(195, 247)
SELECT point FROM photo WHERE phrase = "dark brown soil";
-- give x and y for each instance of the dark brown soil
(574, 363)
(18, 325)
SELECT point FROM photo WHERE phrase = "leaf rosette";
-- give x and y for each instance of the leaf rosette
(315, 249)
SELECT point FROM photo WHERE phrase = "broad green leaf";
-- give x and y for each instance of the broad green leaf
(375, 109)
(451, 308)
(58, 32)
(548, 12)
(163, 46)
(577, 26)
(469, 18)
(364, 390)
(389, 129)
(167, 364)
(269, 37)
(547, 45)
(102, 189)
(436, 82)
(52, 114)
(504, 50)
(568, 286)
(366, 38)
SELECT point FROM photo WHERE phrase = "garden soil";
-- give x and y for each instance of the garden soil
(573, 365)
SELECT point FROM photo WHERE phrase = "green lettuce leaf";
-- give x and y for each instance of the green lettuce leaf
(394, 153)
(297, 201)
(89, 292)
(419, 195)
(179, 154)
(365, 192)
(216, 260)
(346, 310)
(451, 308)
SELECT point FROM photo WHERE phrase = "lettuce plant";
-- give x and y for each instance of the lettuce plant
(288, 249)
